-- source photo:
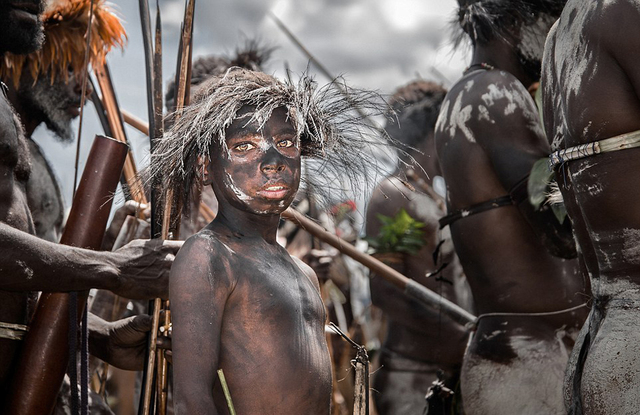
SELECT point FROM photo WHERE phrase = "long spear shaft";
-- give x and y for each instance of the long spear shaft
(162, 366)
(410, 287)
(182, 87)
(317, 64)
(154, 305)
(116, 124)
(149, 65)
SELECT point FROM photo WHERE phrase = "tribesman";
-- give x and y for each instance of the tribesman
(591, 104)
(29, 264)
(488, 138)
(239, 301)
(45, 86)
(420, 346)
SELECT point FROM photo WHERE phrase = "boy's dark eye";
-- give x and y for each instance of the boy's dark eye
(285, 143)
(244, 147)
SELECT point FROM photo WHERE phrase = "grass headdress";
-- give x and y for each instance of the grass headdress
(335, 138)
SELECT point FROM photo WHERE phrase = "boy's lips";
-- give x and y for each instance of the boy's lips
(274, 191)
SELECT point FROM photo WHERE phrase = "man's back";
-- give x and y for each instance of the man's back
(592, 99)
(488, 137)
(591, 78)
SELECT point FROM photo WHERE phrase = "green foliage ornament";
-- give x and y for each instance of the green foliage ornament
(399, 234)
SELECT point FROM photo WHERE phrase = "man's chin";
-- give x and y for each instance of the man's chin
(62, 131)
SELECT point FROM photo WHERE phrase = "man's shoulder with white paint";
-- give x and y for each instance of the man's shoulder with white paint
(478, 101)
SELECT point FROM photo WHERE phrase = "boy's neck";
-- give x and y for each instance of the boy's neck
(248, 224)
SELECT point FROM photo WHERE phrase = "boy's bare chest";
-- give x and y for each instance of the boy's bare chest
(278, 288)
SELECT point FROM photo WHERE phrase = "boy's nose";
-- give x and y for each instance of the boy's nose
(273, 162)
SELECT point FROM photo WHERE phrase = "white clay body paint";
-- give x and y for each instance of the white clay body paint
(513, 96)
(443, 120)
(459, 118)
(230, 184)
(28, 271)
(631, 245)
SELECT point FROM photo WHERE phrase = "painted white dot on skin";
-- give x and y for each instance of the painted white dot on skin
(28, 271)
(483, 114)
(469, 85)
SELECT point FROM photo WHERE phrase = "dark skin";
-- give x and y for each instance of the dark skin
(29, 264)
(415, 330)
(488, 137)
(600, 192)
(239, 301)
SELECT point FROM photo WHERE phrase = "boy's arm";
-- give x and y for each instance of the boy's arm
(198, 291)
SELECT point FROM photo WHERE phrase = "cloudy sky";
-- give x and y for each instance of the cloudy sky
(374, 44)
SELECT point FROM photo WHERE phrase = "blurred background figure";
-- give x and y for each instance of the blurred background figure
(420, 345)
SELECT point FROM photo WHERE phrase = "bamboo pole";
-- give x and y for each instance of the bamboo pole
(157, 360)
(45, 354)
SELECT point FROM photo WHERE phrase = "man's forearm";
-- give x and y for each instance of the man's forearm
(28, 263)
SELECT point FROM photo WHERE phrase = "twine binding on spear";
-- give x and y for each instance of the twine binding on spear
(361, 365)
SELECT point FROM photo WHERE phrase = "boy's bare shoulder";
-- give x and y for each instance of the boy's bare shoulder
(204, 254)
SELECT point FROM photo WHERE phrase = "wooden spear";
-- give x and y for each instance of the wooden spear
(116, 124)
(154, 306)
(182, 86)
(410, 287)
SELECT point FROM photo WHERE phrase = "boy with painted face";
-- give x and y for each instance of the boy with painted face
(488, 137)
(239, 301)
(591, 102)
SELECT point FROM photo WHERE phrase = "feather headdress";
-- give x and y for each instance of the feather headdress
(337, 144)
(483, 20)
(65, 25)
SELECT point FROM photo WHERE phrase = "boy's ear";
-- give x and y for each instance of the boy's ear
(203, 163)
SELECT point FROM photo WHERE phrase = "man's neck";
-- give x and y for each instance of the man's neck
(29, 117)
(501, 54)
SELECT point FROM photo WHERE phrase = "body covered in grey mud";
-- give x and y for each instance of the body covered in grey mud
(591, 92)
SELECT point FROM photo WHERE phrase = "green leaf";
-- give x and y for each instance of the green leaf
(400, 233)
(539, 179)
